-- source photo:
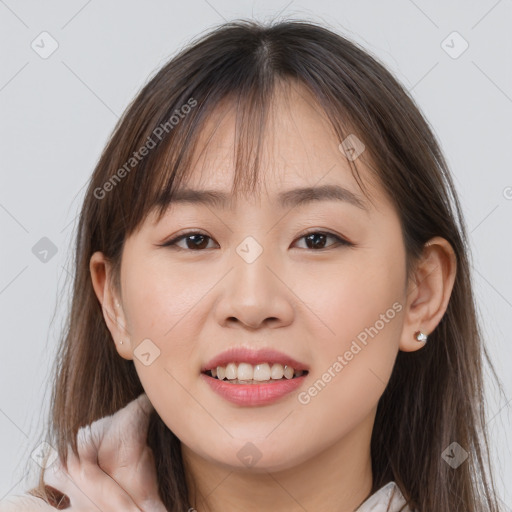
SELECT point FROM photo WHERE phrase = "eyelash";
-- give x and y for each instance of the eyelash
(173, 242)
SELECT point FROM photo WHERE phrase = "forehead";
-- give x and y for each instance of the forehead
(297, 154)
(298, 147)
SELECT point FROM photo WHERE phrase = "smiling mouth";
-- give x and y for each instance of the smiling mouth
(245, 373)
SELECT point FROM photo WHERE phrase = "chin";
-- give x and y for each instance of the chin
(257, 456)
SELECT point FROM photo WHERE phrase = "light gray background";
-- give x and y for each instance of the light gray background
(56, 115)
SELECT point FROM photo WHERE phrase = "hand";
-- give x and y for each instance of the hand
(115, 469)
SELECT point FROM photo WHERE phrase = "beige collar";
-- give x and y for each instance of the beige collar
(389, 494)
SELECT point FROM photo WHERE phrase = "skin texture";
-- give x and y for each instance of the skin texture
(308, 303)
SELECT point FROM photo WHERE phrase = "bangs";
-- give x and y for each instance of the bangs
(179, 156)
(170, 164)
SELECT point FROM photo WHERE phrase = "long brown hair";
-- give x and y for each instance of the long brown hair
(435, 395)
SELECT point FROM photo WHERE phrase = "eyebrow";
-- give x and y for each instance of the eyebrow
(289, 198)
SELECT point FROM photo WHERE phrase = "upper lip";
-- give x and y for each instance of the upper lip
(247, 355)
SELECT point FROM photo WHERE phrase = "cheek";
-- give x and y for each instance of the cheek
(162, 306)
(357, 342)
(358, 324)
(355, 296)
(161, 297)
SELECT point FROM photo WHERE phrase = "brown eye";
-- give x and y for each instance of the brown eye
(316, 240)
(196, 241)
(193, 241)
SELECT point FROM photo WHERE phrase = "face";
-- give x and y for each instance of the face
(317, 286)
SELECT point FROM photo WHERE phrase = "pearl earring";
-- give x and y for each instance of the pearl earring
(420, 336)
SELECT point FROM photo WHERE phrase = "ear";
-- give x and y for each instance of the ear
(428, 292)
(101, 276)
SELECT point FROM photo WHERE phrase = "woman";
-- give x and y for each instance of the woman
(276, 370)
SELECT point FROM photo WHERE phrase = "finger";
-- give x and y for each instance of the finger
(117, 444)
(118, 439)
(57, 477)
(88, 487)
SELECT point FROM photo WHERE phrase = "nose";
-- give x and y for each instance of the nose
(254, 295)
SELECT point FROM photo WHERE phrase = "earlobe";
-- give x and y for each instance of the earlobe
(428, 293)
(100, 270)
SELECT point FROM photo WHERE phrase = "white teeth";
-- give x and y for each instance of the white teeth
(262, 372)
(231, 371)
(258, 373)
(245, 371)
(277, 371)
(288, 372)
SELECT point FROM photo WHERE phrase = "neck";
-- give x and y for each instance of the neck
(337, 479)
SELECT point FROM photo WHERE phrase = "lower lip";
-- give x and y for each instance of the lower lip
(254, 394)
